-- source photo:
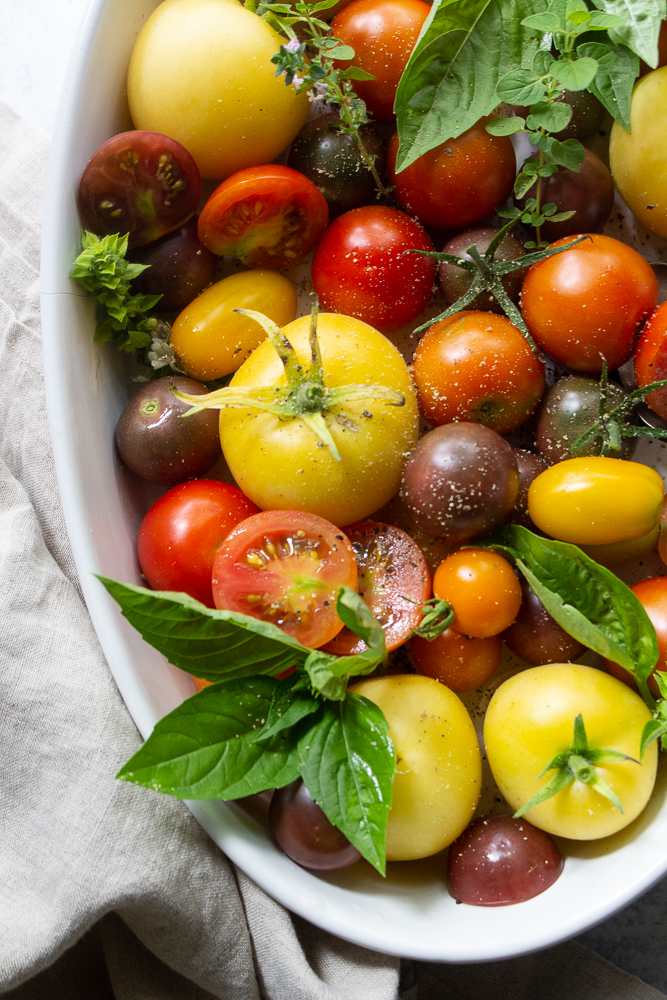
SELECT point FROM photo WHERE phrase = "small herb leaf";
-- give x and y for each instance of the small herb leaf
(641, 25)
(614, 80)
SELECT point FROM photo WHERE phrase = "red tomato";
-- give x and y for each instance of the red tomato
(180, 535)
(652, 595)
(268, 216)
(459, 182)
(586, 302)
(382, 33)
(651, 358)
(141, 183)
(483, 590)
(393, 580)
(286, 567)
(359, 268)
(477, 366)
(458, 661)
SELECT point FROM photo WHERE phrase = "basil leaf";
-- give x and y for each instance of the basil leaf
(207, 748)
(292, 701)
(215, 645)
(575, 74)
(355, 613)
(347, 764)
(587, 600)
(614, 80)
(329, 674)
(641, 25)
(653, 729)
(451, 78)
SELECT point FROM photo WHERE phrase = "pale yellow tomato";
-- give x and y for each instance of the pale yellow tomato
(211, 340)
(637, 159)
(201, 72)
(438, 774)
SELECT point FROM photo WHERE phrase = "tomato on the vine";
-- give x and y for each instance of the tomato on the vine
(286, 567)
(483, 590)
(268, 216)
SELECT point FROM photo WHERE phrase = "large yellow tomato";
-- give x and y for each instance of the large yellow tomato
(282, 464)
(438, 774)
(212, 340)
(201, 72)
(596, 500)
(637, 159)
(530, 720)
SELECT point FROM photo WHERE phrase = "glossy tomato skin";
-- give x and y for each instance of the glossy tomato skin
(201, 72)
(455, 281)
(280, 464)
(460, 662)
(570, 408)
(179, 268)
(477, 367)
(530, 719)
(530, 466)
(537, 637)
(458, 183)
(141, 183)
(595, 501)
(393, 580)
(382, 34)
(586, 302)
(362, 268)
(652, 595)
(269, 216)
(499, 860)
(211, 339)
(286, 567)
(305, 834)
(588, 193)
(651, 358)
(483, 590)
(180, 535)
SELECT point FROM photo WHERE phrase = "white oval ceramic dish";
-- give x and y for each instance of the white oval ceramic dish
(409, 913)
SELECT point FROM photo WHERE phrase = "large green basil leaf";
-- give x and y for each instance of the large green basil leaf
(642, 25)
(451, 77)
(347, 764)
(207, 747)
(615, 78)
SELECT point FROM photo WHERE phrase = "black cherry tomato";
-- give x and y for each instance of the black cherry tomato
(179, 267)
(305, 834)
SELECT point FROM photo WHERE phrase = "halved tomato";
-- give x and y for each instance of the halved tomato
(286, 567)
(393, 580)
(269, 216)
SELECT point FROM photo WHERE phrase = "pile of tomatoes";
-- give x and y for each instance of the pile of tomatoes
(382, 488)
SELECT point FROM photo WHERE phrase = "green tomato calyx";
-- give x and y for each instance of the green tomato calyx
(438, 616)
(305, 396)
(578, 763)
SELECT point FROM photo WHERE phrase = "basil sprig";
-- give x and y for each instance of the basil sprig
(248, 731)
(585, 598)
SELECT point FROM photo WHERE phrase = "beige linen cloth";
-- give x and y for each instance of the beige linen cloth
(107, 890)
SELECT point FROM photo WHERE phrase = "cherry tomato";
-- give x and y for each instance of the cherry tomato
(483, 590)
(383, 34)
(268, 216)
(393, 580)
(455, 281)
(536, 637)
(530, 466)
(500, 860)
(478, 367)
(651, 358)
(180, 535)
(179, 267)
(361, 267)
(586, 302)
(286, 567)
(589, 193)
(568, 409)
(652, 595)
(141, 183)
(305, 834)
(458, 661)
(458, 183)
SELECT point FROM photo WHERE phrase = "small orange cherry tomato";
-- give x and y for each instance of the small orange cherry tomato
(483, 590)
(458, 661)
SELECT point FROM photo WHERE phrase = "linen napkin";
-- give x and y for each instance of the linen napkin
(107, 890)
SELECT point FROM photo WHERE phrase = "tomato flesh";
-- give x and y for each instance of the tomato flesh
(286, 567)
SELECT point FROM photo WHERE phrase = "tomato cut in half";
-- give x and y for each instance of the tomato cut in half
(268, 216)
(393, 580)
(286, 567)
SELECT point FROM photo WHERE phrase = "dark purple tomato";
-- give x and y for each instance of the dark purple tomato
(460, 481)
(589, 194)
(530, 466)
(305, 834)
(332, 161)
(455, 281)
(537, 637)
(588, 114)
(500, 860)
(179, 267)
(157, 443)
(570, 408)
(141, 183)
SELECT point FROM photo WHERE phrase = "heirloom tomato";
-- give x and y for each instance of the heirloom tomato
(178, 268)
(482, 588)
(596, 500)
(651, 358)
(531, 719)
(283, 464)
(438, 774)
(286, 567)
(201, 72)
(652, 595)
(458, 661)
